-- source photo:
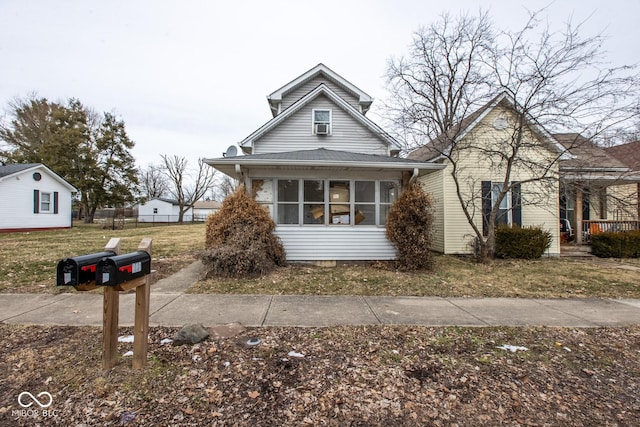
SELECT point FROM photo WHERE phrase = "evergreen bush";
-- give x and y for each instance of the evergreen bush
(521, 242)
(616, 245)
(239, 239)
(410, 229)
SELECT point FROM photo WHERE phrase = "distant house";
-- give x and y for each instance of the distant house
(327, 174)
(33, 198)
(162, 210)
(203, 208)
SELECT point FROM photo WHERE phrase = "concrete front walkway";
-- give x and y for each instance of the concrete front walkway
(170, 306)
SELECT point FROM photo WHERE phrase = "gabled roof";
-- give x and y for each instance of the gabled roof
(320, 158)
(7, 171)
(434, 148)
(629, 154)
(321, 89)
(587, 155)
(275, 98)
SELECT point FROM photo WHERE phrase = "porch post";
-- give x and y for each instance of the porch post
(578, 213)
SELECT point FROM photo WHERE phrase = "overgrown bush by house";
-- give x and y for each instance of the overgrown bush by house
(616, 245)
(240, 240)
(521, 242)
(410, 229)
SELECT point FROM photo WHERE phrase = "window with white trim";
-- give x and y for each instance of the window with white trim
(503, 215)
(321, 121)
(329, 202)
(45, 202)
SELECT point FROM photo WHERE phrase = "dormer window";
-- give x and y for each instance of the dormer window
(321, 122)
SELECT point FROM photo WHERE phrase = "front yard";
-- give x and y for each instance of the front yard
(453, 277)
(28, 262)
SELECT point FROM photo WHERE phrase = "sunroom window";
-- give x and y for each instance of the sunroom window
(288, 197)
(327, 202)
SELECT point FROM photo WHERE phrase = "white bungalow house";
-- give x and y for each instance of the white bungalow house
(328, 175)
(162, 210)
(325, 171)
(33, 198)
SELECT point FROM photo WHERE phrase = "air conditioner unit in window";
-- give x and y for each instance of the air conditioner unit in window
(322, 128)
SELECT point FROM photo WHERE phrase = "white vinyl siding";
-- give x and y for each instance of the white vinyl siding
(458, 235)
(347, 134)
(289, 98)
(17, 203)
(46, 202)
(350, 243)
(433, 184)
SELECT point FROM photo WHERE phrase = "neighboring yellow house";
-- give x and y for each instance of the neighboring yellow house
(531, 202)
(625, 199)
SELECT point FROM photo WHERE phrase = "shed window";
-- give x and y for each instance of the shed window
(45, 202)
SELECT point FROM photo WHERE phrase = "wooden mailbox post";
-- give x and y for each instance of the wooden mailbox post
(111, 311)
(69, 273)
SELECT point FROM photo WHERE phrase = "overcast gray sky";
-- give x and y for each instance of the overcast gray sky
(190, 77)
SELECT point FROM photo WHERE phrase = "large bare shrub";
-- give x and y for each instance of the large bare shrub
(410, 227)
(240, 240)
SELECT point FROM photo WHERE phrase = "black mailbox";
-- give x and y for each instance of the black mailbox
(118, 269)
(79, 270)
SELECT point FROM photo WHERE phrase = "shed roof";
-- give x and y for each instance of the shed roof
(11, 169)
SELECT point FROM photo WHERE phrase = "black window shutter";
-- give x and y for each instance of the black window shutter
(55, 202)
(516, 204)
(36, 201)
(486, 206)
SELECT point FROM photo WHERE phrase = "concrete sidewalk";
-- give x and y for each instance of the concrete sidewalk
(170, 306)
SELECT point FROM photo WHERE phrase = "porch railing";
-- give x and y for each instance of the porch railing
(595, 226)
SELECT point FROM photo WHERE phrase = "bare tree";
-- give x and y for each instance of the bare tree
(223, 187)
(153, 181)
(548, 80)
(187, 188)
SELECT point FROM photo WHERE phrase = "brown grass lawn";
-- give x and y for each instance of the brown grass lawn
(28, 260)
(452, 277)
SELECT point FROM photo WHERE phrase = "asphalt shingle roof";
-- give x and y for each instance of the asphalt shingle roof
(629, 154)
(322, 154)
(6, 170)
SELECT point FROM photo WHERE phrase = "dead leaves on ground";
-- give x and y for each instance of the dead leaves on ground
(348, 375)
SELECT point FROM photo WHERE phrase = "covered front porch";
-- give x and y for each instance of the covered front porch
(596, 206)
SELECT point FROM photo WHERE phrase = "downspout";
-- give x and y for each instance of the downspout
(414, 176)
(240, 175)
